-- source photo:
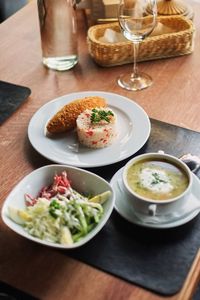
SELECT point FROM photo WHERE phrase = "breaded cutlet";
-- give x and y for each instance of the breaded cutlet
(65, 118)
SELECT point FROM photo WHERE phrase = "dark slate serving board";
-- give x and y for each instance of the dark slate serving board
(11, 97)
(155, 259)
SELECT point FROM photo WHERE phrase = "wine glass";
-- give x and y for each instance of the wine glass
(137, 19)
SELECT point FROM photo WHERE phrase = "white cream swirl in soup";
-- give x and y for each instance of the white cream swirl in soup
(157, 179)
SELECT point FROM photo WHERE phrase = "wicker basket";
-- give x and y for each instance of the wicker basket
(180, 42)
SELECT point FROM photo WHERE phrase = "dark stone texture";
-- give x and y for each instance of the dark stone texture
(156, 259)
(11, 97)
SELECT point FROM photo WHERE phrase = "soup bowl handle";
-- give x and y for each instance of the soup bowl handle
(152, 210)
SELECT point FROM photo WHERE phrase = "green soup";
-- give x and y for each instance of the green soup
(157, 179)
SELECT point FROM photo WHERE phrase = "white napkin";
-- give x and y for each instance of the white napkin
(112, 36)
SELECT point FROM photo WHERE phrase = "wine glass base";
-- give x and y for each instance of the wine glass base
(142, 81)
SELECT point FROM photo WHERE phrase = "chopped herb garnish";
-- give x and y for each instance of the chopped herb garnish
(99, 115)
(157, 179)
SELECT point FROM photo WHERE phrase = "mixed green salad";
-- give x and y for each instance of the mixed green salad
(59, 214)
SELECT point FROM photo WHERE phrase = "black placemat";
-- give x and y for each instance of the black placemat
(11, 97)
(156, 259)
(8, 292)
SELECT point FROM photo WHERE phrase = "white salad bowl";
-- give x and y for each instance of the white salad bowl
(81, 180)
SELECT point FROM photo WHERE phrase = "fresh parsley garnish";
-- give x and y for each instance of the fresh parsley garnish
(157, 179)
(99, 115)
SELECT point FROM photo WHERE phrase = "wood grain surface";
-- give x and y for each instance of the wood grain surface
(173, 98)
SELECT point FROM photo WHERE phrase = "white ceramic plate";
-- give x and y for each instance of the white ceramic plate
(127, 213)
(133, 126)
(81, 181)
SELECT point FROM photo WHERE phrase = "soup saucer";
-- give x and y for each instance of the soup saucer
(173, 220)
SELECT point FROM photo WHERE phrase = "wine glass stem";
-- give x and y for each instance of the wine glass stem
(135, 55)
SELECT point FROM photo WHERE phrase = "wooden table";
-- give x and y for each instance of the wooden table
(173, 98)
